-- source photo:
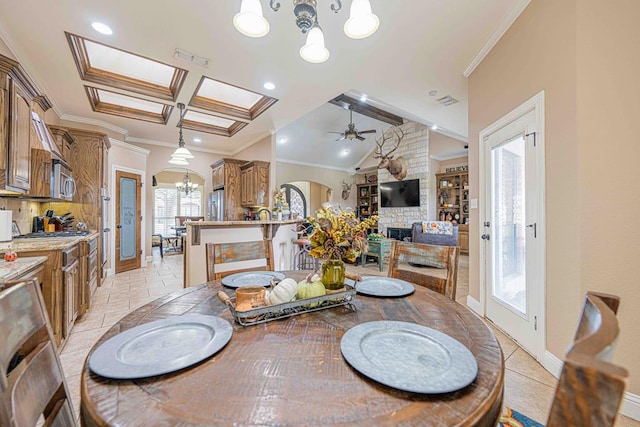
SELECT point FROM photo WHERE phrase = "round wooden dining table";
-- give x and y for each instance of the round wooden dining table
(290, 372)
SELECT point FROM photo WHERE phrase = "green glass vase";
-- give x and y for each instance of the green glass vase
(333, 274)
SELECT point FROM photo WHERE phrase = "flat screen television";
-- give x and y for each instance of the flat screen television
(399, 194)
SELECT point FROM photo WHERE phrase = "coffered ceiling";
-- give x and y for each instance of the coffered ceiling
(418, 55)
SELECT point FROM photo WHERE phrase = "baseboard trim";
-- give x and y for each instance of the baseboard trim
(474, 305)
(630, 404)
(552, 363)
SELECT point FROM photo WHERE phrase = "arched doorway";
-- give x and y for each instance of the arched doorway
(296, 200)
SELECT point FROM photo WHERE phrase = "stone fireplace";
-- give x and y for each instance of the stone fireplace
(415, 149)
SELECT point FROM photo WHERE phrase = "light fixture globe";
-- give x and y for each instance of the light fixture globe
(179, 161)
(314, 51)
(249, 21)
(183, 153)
(362, 22)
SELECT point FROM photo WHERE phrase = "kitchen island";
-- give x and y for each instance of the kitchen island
(199, 233)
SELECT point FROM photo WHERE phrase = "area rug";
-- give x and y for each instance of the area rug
(511, 418)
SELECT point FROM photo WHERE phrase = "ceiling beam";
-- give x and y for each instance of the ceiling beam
(345, 101)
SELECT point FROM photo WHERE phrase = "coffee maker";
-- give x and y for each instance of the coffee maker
(38, 224)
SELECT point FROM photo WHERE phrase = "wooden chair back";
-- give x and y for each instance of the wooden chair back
(221, 253)
(591, 388)
(31, 376)
(440, 271)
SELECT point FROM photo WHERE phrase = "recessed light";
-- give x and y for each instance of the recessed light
(282, 140)
(269, 86)
(363, 98)
(197, 140)
(433, 92)
(102, 28)
(434, 127)
(344, 153)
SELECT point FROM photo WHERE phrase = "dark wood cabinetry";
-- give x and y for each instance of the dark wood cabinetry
(226, 176)
(367, 197)
(254, 178)
(18, 98)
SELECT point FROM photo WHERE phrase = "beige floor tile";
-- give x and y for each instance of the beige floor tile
(527, 396)
(83, 340)
(507, 344)
(521, 362)
(72, 361)
(84, 323)
(111, 318)
(623, 421)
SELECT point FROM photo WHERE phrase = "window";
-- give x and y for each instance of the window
(296, 200)
(169, 203)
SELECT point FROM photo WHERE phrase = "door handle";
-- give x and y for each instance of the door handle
(535, 229)
(485, 237)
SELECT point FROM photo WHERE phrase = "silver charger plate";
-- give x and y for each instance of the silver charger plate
(409, 357)
(379, 286)
(161, 346)
(251, 278)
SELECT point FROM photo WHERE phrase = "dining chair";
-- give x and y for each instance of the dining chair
(222, 253)
(591, 388)
(432, 266)
(32, 384)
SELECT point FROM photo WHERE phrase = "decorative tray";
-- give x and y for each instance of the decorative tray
(288, 309)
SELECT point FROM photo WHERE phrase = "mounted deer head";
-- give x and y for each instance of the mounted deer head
(396, 167)
(346, 190)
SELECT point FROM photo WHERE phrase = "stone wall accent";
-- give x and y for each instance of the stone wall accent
(415, 149)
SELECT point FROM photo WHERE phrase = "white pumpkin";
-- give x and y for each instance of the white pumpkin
(284, 291)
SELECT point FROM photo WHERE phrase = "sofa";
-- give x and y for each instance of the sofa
(433, 239)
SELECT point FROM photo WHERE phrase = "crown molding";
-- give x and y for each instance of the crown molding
(451, 155)
(314, 165)
(511, 17)
(94, 122)
(130, 147)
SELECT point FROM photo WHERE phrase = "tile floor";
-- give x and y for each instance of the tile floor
(529, 388)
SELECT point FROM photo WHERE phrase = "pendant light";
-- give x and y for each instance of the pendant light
(250, 21)
(314, 51)
(180, 156)
(362, 22)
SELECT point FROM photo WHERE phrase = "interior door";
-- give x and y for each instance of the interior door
(128, 221)
(511, 224)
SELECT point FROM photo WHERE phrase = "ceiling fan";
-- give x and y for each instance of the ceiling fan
(351, 132)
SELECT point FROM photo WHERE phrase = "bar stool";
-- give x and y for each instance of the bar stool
(302, 260)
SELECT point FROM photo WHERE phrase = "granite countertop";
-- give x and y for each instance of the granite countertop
(14, 269)
(44, 243)
(227, 223)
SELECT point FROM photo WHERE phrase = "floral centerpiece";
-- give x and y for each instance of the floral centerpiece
(338, 235)
(279, 199)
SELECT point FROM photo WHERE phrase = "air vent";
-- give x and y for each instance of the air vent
(447, 100)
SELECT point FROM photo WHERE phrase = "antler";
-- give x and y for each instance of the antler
(379, 154)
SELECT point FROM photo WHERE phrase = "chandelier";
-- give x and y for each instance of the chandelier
(180, 156)
(361, 23)
(186, 185)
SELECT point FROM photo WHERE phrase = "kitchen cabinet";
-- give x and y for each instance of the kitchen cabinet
(227, 172)
(70, 289)
(41, 165)
(63, 141)
(87, 157)
(17, 94)
(463, 239)
(88, 273)
(254, 177)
